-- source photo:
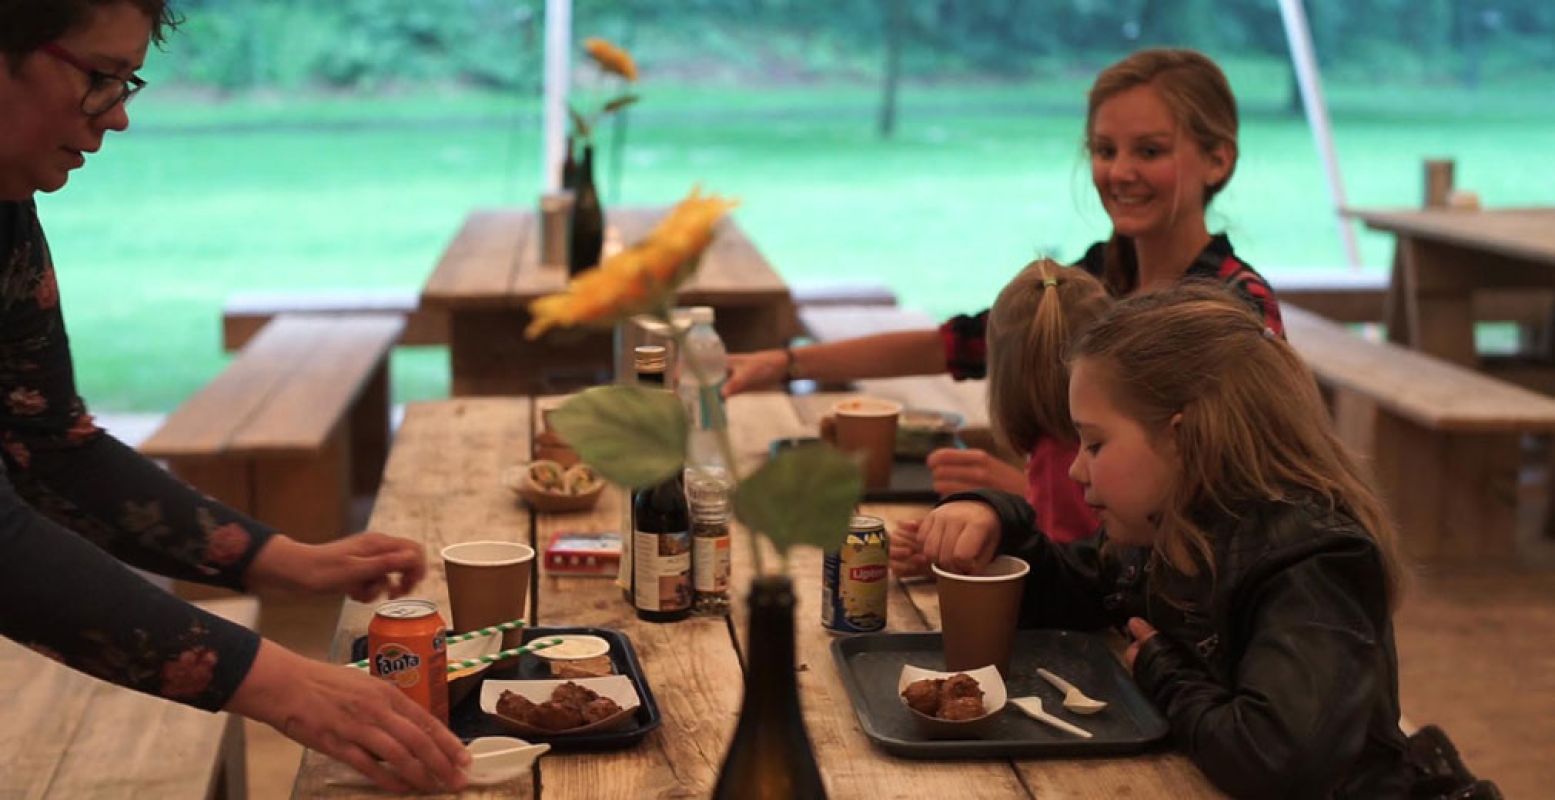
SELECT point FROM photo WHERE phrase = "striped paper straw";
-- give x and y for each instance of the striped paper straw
(491, 659)
(505, 654)
(501, 627)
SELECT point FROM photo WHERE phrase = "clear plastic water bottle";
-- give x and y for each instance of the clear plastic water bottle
(704, 356)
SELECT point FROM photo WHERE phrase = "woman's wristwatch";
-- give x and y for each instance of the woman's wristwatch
(791, 366)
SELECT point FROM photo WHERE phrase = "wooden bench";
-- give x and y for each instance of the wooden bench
(65, 735)
(1345, 296)
(245, 313)
(1443, 441)
(295, 425)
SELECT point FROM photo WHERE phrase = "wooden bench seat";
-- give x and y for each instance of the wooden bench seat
(1443, 441)
(1348, 296)
(296, 423)
(245, 313)
(67, 736)
(841, 293)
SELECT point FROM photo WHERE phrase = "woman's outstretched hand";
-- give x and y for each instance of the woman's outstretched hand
(351, 716)
(364, 566)
(763, 369)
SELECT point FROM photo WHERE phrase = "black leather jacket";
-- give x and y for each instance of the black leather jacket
(1278, 674)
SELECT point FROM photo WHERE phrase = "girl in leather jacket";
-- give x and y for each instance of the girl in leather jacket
(1242, 548)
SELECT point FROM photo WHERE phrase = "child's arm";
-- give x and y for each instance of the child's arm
(1067, 583)
(1307, 680)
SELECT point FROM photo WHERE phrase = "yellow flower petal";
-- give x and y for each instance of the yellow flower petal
(611, 58)
(636, 278)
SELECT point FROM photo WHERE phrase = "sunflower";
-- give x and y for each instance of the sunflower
(639, 277)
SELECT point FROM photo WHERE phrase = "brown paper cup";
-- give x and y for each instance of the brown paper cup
(488, 583)
(978, 613)
(866, 425)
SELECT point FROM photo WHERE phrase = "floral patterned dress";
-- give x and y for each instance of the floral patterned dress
(75, 502)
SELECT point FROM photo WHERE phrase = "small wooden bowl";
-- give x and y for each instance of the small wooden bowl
(551, 447)
(516, 478)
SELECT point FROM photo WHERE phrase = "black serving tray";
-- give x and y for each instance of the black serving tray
(468, 721)
(871, 664)
(911, 480)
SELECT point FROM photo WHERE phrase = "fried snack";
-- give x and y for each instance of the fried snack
(547, 476)
(516, 706)
(555, 716)
(961, 708)
(585, 668)
(961, 685)
(923, 696)
(574, 695)
(600, 708)
(580, 479)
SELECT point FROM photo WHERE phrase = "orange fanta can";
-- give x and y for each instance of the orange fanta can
(407, 646)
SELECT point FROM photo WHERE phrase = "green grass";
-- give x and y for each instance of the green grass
(202, 199)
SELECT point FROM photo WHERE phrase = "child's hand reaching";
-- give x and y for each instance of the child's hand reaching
(1140, 631)
(907, 558)
(960, 537)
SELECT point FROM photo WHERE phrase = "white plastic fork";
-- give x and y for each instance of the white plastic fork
(1032, 706)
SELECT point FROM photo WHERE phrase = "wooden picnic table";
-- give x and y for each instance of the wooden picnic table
(1445, 255)
(491, 272)
(442, 486)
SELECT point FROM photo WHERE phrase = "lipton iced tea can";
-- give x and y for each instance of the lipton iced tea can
(406, 646)
(853, 579)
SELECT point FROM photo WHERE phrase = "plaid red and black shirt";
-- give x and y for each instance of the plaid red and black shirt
(965, 335)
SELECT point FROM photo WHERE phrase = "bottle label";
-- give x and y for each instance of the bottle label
(661, 570)
(711, 400)
(711, 564)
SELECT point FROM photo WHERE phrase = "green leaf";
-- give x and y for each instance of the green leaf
(579, 122)
(633, 436)
(804, 496)
(620, 102)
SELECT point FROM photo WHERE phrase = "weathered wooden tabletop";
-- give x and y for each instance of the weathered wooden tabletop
(491, 271)
(1444, 256)
(442, 487)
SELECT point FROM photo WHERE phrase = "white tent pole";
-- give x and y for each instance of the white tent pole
(558, 58)
(1304, 57)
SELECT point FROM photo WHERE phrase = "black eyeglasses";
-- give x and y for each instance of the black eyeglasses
(103, 90)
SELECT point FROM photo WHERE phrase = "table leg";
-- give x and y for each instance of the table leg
(1439, 306)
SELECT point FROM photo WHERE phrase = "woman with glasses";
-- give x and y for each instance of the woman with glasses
(75, 502)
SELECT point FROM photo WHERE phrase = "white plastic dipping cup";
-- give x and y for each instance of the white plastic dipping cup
(488, 583)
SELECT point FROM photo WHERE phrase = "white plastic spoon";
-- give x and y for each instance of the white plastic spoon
(1074, 699)
(1033, 708)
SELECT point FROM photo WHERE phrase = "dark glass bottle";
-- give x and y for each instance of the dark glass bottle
(649, 363)
(569, 167)
(770, 756)
(587, 239)
(661, 553)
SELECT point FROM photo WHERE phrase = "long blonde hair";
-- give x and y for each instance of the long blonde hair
(1253, 424)
(1199, 97)
(1030, 328)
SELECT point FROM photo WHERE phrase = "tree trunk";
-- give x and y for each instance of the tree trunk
(895, 23)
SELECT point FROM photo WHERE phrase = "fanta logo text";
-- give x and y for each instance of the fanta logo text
(867, 573)
(400, 666)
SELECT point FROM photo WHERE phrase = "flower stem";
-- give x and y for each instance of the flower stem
(725, 444)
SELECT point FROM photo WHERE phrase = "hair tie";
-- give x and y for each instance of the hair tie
(1049, 281)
